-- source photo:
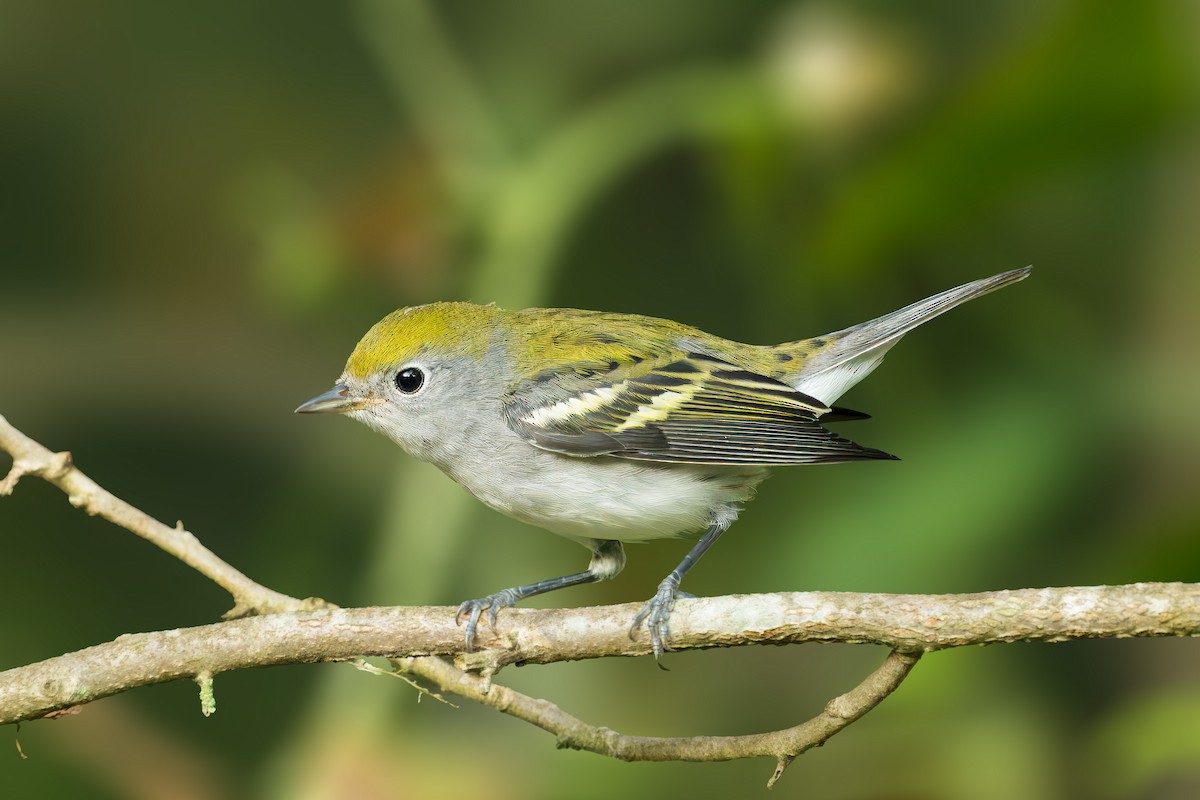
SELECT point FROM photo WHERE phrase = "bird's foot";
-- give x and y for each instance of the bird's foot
(473, 609)
(656, 614)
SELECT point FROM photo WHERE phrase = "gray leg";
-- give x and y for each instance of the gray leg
(657, 611)
(608, 559)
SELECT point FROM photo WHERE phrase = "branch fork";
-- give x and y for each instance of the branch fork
(266, 627)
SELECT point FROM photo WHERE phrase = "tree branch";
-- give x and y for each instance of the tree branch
(908, 623)
(571, 732)
(298, 631)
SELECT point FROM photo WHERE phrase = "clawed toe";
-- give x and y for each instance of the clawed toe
(656, 614)
(473, 610)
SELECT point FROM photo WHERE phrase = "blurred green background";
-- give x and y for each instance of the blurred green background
(206, 204)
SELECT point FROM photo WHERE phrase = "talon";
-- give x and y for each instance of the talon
(474, 609)
(657, 614)
(471, 609)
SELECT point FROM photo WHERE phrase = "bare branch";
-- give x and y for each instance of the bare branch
(783, 745)
(296, 631)
(908, 623)
(31, 458)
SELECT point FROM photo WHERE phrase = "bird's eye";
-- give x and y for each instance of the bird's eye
(410, 380)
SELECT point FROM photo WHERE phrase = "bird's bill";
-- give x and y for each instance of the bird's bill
(337, 400)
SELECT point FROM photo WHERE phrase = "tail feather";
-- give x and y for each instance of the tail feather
(845, 357)
(842, 414)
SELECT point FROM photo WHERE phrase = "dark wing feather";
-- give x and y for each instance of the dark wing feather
(843, 414)
(696, 409)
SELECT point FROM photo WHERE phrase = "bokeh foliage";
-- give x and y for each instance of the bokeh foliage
(206, 204)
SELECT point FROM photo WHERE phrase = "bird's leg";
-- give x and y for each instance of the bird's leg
(608, 559)
(657, 610)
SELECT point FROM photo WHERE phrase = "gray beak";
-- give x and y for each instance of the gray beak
(337, 400)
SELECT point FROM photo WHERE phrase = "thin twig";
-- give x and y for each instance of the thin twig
(31, 458)
(399, 673)
(572, 732)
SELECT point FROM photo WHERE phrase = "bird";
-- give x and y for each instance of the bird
(607, 428)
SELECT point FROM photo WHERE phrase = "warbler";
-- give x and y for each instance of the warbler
(608, 428)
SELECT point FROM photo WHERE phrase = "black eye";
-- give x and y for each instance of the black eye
(410, 379)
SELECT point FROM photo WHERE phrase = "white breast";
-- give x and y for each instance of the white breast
(610, 498)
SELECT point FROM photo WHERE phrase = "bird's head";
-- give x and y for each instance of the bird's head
(419, 375)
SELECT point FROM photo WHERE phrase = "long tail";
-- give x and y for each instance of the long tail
(837, 361)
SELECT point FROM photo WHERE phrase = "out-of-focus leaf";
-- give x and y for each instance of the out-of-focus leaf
(971, 483)
(1099, 79)
(1145, 744)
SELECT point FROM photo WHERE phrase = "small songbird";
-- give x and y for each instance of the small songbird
(609, 428)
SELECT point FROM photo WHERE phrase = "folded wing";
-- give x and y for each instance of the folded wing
(693, 409)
